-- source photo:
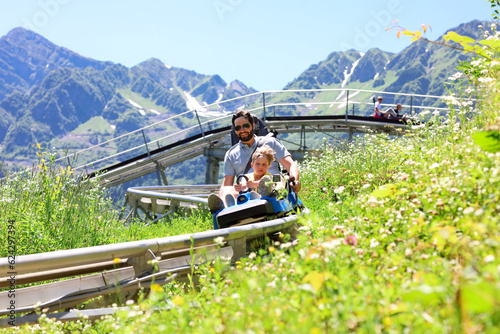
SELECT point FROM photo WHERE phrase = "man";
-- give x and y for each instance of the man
(237, 157)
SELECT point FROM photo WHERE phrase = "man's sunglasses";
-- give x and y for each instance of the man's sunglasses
(245, 126)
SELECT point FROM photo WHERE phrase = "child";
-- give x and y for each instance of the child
(261, 161)
(259, 182)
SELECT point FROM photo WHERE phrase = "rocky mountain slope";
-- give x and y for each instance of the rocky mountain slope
(47, 92)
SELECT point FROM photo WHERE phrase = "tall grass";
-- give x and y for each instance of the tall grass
(54, 209)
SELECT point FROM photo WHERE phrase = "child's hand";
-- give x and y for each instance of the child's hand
(252, 184)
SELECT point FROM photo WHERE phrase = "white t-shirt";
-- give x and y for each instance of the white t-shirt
(237, 157)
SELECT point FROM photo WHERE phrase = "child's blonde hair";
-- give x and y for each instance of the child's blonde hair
(264, 152)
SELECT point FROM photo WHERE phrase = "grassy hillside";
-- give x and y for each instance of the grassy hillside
(404, 237)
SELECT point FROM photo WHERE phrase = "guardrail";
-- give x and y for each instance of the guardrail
(120, 270)
(156, 202)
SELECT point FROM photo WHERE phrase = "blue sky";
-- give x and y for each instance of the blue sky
(264, 44)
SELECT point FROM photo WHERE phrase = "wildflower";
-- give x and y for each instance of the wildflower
(252, 255)
(156, 287)
(331, 243)
(434, 165)
(489, 258)
(468, 210)
(219, 241)
(455, 76)
(271, 284)
(339, 190)
(351, 240)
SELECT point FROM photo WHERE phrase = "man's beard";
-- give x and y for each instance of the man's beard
(245, 138)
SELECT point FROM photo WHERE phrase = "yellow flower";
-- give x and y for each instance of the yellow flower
(178, 300)
(116, 260)
(156, 288)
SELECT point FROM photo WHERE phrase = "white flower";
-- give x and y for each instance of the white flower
(468, 210)
(339, 190)
(332, 243)
(434, 165)
(485, 80)
(374, 243)
(219, 241)
(489, 258)
(455, 76)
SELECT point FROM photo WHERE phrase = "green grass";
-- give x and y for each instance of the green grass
(139, 99)
(94, 125)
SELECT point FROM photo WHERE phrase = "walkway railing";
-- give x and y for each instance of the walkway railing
(217, 115)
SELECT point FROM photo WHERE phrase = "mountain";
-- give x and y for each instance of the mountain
(27, 58)
(48, 92)
(58, 98)
(421, 68)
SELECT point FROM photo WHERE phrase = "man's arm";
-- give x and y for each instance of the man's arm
(293, 170)
(227, 181)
